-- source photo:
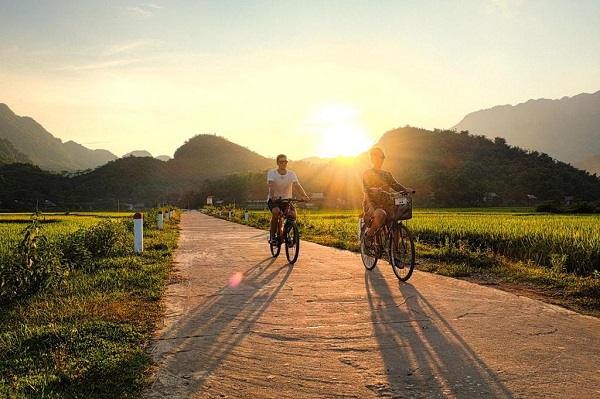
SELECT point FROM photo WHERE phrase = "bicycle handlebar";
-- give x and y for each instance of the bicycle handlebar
(291, 199)
(407, 192)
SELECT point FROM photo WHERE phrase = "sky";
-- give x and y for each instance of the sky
(304, 78)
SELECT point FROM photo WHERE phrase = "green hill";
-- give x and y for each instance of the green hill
(458, 169)
(445, 167)
(208, 156)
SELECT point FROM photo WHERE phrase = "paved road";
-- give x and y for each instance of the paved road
(240, 324)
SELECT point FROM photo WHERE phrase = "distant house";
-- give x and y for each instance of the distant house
(489, 197)
(568, 200)
(49, 204)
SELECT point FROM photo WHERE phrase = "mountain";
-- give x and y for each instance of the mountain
(567, 129)
(144, 153)
(138, 153)
(317, 160)
(10, 154)
(208, 156)
(591, 164)
(45, 150)
(86, 158)
(445, 167)
(143, 179)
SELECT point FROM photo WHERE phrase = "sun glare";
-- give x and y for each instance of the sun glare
(340, 132)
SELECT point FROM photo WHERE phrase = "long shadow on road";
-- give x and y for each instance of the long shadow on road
(216, 325)
(422, 354)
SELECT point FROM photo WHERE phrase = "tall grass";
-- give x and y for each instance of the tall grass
(565, 243)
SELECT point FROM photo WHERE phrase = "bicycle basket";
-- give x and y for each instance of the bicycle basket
(402, 208)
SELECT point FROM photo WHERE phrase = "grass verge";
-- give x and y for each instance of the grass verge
(85, 335)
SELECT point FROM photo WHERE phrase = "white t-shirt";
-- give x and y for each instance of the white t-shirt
(282, 184)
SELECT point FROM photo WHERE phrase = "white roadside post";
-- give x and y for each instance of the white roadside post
(167, 215)
(246, 215)
(138, 232)
(160, 220)
(229, 215)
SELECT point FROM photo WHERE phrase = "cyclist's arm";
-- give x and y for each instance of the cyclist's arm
(370, 194)
(300, 190)
(393, 184)
(271, 189)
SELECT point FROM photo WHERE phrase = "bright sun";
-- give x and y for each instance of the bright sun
(341, 134)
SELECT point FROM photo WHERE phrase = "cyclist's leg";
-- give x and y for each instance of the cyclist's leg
(378, 217)
(275, 215)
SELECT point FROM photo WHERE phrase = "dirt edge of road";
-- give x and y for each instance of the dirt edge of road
(549, 295)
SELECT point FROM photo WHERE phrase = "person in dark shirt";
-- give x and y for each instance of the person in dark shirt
(376, 182)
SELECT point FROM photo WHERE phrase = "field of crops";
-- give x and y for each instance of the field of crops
(12, 225)
(567, 243)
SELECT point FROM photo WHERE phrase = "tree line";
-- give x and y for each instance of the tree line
(447, 168)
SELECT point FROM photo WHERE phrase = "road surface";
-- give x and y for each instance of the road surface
(240, 324)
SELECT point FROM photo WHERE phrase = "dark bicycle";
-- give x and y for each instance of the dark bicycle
(290, 236)
(393, 240)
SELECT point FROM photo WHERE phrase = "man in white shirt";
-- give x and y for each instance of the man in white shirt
(281, 183)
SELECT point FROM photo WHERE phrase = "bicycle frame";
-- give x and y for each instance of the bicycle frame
(394, 241)
(287, 232)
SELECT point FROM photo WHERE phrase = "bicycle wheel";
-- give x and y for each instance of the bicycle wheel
(292, 241)
(368, 255)
(275, 248)
(402, 252)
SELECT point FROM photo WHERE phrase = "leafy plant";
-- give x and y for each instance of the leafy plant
(32, 264)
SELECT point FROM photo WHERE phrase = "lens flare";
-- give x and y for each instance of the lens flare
(236, 279)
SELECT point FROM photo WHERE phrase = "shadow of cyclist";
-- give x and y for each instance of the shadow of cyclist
(215, 326)
(422, 354)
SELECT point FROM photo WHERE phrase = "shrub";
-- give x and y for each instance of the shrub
(83, 248)
(31, 265)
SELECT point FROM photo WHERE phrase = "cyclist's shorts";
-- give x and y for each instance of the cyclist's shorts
(277, 204)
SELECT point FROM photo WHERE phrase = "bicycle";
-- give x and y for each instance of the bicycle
(392, 240)
(290, 235)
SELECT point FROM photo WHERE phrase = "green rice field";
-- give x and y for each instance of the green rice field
(567, 243)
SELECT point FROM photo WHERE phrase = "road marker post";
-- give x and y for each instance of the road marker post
(138, 232)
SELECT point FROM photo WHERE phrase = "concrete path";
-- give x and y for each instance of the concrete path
(240, 324)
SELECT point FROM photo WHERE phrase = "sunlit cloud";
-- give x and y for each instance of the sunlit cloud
(143, 11)
(100, 65)
(124, 47)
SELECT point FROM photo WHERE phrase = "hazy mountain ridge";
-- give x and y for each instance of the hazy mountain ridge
(567, 129)
(445, 167)
(45, 150)
(10, 154)
(138, 153)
